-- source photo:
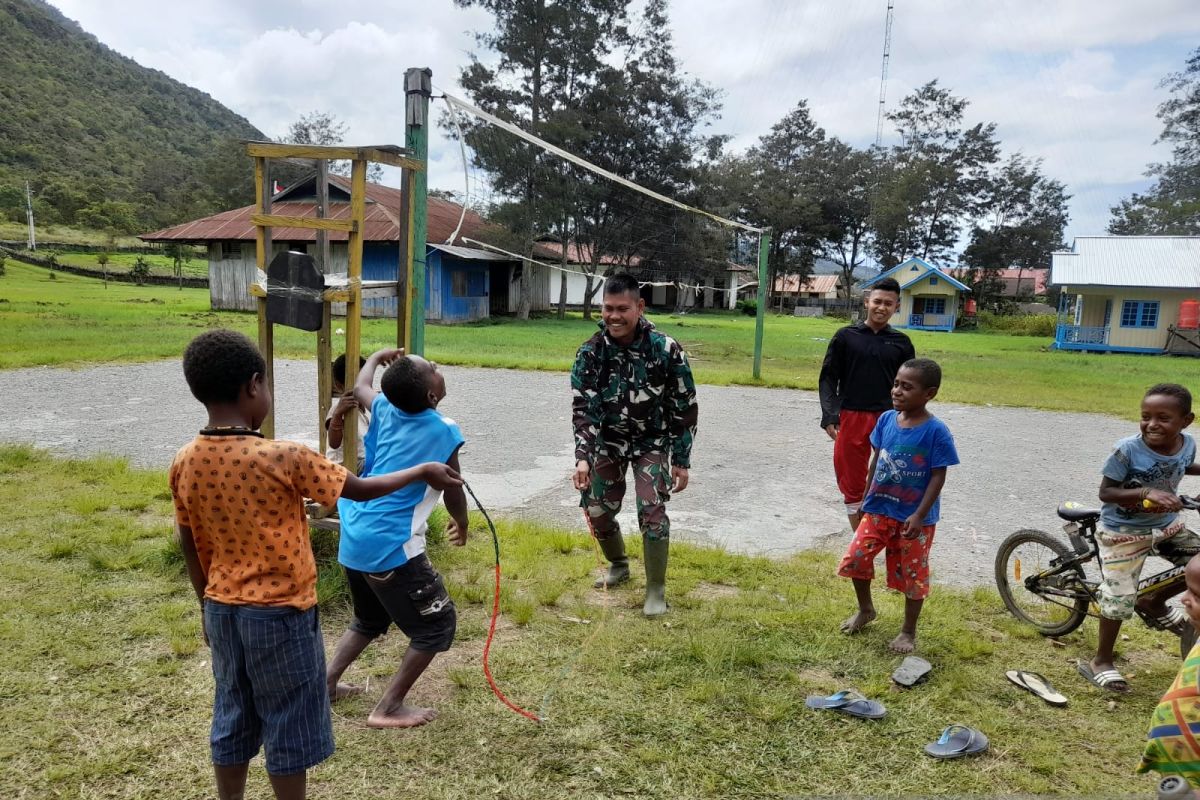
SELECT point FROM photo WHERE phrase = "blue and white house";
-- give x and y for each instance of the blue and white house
(929, 297)
(1123, 293)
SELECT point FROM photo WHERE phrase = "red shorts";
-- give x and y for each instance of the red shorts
(852, 455)
(907, 559)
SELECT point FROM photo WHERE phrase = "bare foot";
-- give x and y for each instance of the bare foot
(344, 690)
(402, 717)
(903, 643)
(859, 621)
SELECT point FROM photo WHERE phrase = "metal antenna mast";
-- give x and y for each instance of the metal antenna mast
(887, 54)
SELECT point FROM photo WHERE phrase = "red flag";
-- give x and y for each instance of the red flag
(276, 188)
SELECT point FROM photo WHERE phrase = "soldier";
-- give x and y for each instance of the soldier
(634, 405)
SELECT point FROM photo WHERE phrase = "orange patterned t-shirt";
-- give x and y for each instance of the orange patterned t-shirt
(243, 498)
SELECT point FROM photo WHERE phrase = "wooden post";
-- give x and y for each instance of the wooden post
(266, 331)
(354, 244)
(324, 346)
(404, 297)
(764, 244)
(418, 87)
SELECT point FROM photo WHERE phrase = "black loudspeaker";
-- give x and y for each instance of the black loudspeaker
(294, 286)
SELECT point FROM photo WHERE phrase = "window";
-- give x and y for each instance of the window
(458, 283)
(933, 281)
(935, 305)
(231, 251)
(468, 283)
(1139, 314)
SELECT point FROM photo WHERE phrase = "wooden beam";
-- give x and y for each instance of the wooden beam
(405, 268)
(309, 223)
(370, 290)
(266, 331)
(324, 345)
(381, 154)
(354, 248)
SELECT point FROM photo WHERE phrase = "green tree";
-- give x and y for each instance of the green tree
(846, 180)
(102, 258)
(179, 254)
(140, 270)
(323, 128)
(1172, 204)
(935, 182)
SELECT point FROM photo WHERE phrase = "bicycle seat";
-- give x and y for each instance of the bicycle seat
(1077, 512)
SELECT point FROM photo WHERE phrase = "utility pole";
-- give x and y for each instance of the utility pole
(883, 73)
(417, 89)
(29, 216)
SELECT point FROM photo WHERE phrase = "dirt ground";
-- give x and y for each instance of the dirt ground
(762, 477)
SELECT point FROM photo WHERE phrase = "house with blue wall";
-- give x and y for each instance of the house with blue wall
(929, 297)
(462, 283)
(1125, 294)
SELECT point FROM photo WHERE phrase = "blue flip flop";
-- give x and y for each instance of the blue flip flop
(956, 741)
(848, 702)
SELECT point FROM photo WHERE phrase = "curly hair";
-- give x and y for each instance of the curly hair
(339, 368)
(406, 384)
(218, 363)
(1182, 396)
(929, 371)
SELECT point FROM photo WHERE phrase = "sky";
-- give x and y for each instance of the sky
(1072, 82)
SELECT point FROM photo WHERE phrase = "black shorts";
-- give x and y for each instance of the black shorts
(412, 596)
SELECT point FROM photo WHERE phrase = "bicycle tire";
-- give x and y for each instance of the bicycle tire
(1077, 606)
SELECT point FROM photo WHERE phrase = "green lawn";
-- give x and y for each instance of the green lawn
(107, 690)
(19, 232)
(71, 320)
(122, 263)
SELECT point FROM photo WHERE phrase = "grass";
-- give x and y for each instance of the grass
(73, 320)
(122, 263)
(107, 690)
(19, 232)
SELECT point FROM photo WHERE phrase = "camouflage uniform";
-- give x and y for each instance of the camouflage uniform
(632, 406)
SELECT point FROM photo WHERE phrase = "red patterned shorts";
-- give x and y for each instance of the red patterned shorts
(907, 559)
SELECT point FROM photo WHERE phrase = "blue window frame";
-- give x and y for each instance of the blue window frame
(933, 281)
(935, 305)
(1139, 314)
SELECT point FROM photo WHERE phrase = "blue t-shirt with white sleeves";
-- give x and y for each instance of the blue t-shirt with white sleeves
(1133, 465)
(384, 533)
(907, 458)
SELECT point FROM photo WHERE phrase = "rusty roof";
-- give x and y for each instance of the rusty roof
(381, 219)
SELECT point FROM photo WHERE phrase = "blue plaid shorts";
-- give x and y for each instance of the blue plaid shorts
(269, 668)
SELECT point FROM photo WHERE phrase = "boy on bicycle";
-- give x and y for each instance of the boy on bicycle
(1139, 516)
(913, 448)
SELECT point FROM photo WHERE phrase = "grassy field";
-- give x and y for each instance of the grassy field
(19, 232)
(121, 263)
(73, 321)
(107, 688)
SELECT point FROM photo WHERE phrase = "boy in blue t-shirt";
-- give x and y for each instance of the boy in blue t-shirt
(1140, 517)
(912, 450)
(382, 545)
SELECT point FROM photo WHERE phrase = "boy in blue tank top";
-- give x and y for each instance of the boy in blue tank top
(382, 545)
(913, 448)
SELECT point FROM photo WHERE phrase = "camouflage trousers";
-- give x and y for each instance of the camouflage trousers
(652, 486)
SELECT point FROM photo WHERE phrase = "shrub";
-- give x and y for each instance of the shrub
(1019, 324)
(3, 258)
(140, 271)
(748, 307)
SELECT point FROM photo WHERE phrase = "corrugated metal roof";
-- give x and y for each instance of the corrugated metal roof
(471, 253)
(1168, 262)
(382, 216)
(821, 284)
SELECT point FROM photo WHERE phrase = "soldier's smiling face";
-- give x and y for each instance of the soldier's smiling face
(621, 311)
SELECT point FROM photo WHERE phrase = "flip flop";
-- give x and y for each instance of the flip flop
(1103, 680)
(848, 702)
(1039, 686)
(912, 670)
(957, 741)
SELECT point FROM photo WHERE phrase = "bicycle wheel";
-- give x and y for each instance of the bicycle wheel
(1057, 604)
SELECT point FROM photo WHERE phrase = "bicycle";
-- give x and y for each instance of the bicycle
(1042, 580)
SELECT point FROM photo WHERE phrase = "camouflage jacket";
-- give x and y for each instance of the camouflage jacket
(633, 399)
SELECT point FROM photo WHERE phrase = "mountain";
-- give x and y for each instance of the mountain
(105, 142)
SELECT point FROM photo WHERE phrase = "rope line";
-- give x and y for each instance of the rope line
(487, 646)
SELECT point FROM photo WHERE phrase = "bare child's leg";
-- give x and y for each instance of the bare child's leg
(231, 781)
(348, 648)
(906, 641)
(290, 787)
(866, 608)
(391, 711)
(855, 519)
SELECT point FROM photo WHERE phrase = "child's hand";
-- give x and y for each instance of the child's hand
(440, 476)
(345, 403)
(1159, 500)
(912, 527)
(387, 355)
(456, 532)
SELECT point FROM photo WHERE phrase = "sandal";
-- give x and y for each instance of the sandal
(1039, 686)
(956, 741)
(848, 702)
(1103, 680)
(1174, 620)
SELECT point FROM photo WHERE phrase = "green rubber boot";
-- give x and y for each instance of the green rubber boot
(613, 548)
(655, 556)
